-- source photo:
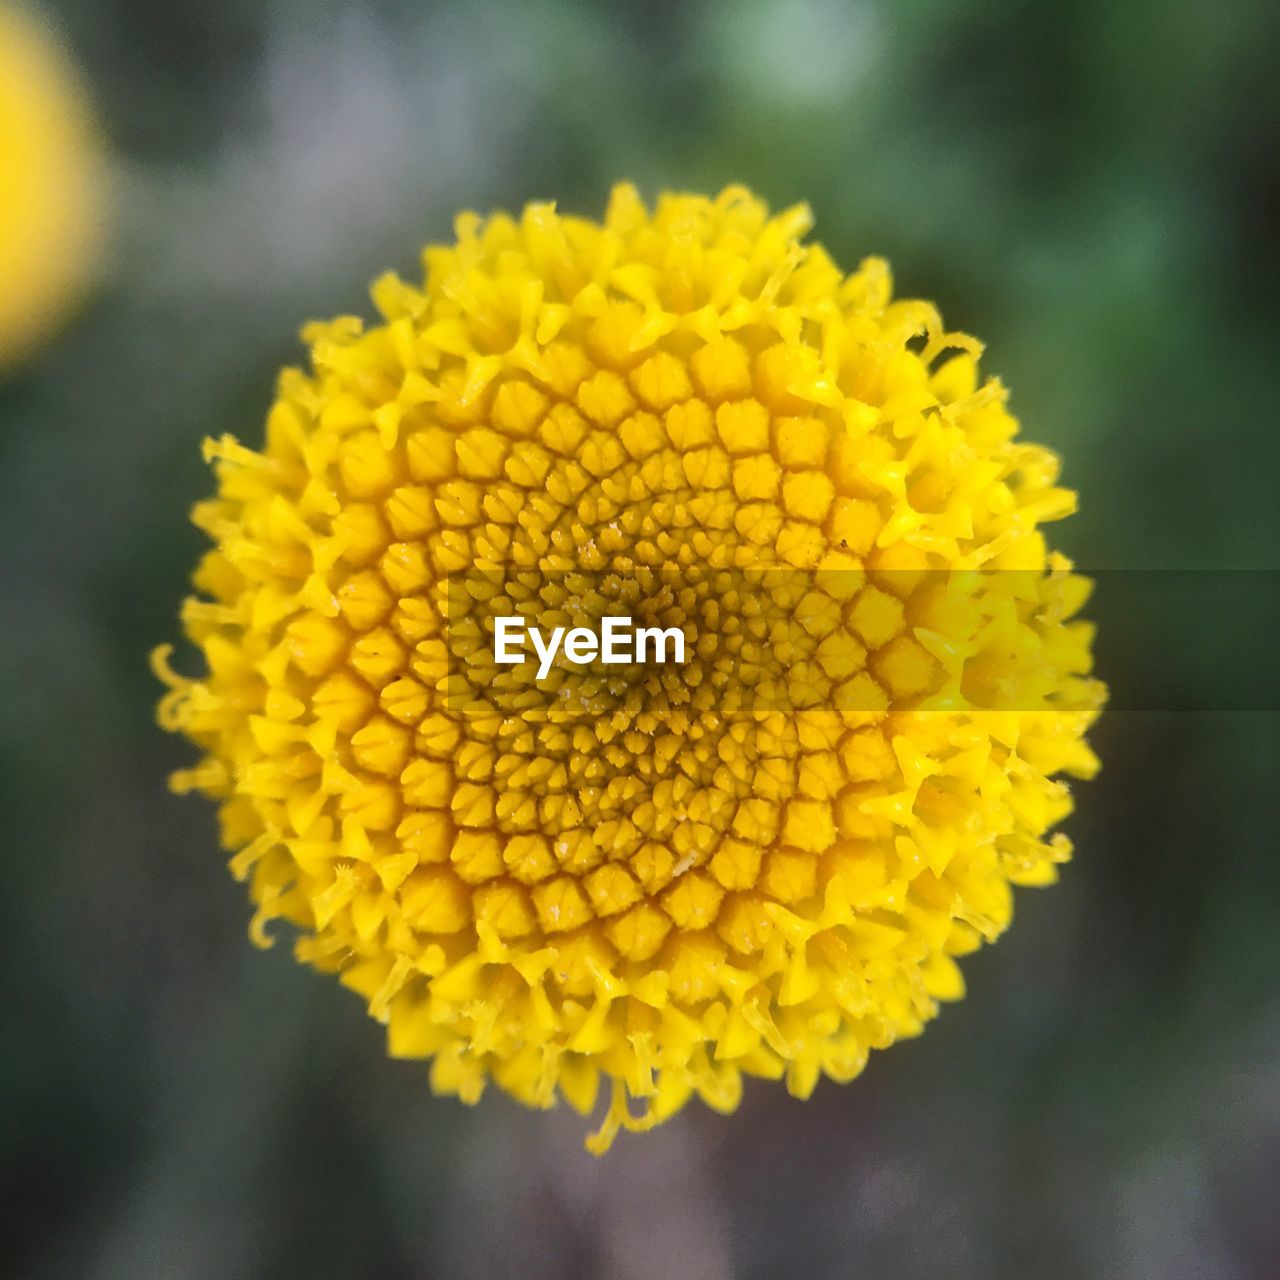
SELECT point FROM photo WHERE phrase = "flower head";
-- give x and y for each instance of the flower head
(762, 863)
(50, 172)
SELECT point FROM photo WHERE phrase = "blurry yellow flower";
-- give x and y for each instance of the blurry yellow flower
(761, 863)
(51, 184)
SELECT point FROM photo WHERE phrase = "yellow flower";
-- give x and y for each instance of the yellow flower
(761, 863)
(52, 184)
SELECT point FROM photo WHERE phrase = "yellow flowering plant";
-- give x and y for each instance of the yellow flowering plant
(52, 183)
(762, 862)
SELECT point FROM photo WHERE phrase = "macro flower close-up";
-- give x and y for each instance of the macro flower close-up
(638, 640)
(765, 862)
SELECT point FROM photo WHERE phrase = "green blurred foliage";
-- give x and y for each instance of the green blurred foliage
(1093, 188)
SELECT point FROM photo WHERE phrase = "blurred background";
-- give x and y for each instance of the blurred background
(1091, 187)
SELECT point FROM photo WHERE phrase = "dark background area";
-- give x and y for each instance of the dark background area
(1092, 188)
